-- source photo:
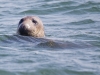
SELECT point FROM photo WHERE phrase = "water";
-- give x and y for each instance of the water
(73, 30)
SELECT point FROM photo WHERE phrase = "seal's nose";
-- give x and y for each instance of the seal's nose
(24, 29)
(25, 26)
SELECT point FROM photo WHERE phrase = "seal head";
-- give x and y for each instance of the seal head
(31, 26)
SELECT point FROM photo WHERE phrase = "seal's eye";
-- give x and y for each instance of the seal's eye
(21, 21)
(34, 21)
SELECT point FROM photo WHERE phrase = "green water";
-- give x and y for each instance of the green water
(71, 45)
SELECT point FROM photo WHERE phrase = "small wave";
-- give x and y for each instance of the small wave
(88, 7)
(18, 40)
(1, 14)
(37, 11)
(3, 72)
(86, 21)
(28, 12)
(58, 3)
(47, 71)
(92, 10)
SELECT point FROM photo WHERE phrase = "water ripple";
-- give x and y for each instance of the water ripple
(86, 21)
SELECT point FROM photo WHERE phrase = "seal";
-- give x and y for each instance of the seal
(31, 26)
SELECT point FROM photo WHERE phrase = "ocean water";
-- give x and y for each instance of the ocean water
(71, 45)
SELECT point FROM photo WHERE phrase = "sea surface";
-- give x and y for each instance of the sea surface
(71, 45)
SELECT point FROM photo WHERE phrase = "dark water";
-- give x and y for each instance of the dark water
(73, 30)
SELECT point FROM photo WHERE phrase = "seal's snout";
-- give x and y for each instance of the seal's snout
(23, 29)
(27, 26)
(24, 26)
